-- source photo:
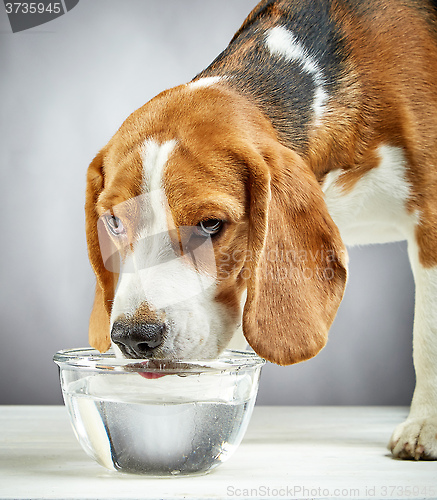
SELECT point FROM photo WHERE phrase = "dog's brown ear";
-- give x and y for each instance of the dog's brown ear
(99, 334)
(296, 263)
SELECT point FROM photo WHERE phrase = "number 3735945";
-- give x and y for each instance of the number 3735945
(33, 8)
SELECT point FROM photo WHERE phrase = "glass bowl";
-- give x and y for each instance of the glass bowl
(159, 417)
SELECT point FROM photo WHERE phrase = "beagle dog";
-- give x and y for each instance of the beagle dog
(223, 206)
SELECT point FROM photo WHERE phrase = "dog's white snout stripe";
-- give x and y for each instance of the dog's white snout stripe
(153, 271)
(155, 158)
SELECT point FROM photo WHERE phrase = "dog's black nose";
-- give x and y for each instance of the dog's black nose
(137, 340)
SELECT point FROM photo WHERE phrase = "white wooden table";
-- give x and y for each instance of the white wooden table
(288, 452)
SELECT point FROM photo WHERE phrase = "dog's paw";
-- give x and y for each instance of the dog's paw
(416, 439)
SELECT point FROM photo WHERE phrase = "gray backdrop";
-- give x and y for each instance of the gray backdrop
(66, 87)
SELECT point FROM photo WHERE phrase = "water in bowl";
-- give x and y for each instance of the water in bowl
(131, 431)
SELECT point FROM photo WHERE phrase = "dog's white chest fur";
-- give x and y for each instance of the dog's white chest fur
(375, 210)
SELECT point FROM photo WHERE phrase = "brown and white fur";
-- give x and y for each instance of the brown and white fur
(315, 128)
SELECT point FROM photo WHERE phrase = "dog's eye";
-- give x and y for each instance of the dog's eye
(115, 225)
(210, 227)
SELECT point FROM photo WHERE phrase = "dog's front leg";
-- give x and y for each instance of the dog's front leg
(417, 436)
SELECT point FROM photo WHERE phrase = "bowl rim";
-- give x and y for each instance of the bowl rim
(93, 360)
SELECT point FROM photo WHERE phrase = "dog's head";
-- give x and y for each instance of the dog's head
(199, 220)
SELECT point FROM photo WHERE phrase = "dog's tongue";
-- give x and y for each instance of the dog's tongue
(150, 375)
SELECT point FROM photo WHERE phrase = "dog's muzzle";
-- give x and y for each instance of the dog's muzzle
(137, 340)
